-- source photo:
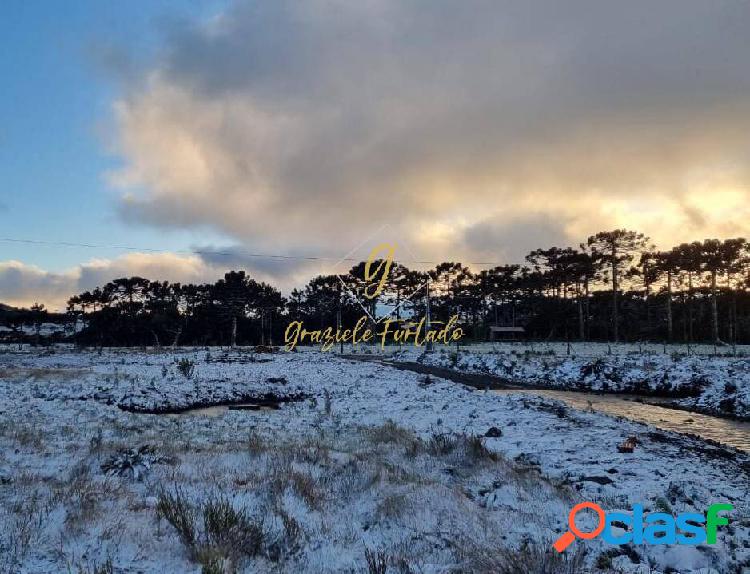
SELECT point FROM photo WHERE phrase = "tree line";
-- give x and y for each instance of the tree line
(615, 286)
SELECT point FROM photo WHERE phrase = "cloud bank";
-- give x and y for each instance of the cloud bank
(22, 284)
(299, 126)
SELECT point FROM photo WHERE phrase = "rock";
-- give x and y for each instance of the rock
(619, 524)
(426, 381)
(597, 479)
(528, 459)
(493, 432)
(628, 446)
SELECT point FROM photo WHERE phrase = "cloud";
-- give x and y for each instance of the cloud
(161, 266)
(22, 284)
(497, 240)
(299, 127)
(282, 272)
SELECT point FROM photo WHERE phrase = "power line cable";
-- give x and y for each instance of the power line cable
(233, 253)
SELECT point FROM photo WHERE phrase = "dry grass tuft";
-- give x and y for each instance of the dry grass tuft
(478, 559)
(213, 531)
(256, 444)
(377, 561)
(307, 488)
(390, 433)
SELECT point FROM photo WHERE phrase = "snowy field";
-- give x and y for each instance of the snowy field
(715, 385)
(361, 468)
(579, 349)
(44, 330)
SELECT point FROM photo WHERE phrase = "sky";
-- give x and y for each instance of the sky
(197, 133)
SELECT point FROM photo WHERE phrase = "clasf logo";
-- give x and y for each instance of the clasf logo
(653, 528)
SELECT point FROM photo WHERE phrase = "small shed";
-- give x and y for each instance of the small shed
(498, 333)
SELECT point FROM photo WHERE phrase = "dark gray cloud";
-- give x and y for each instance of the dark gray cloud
(593, 52)
(498, 240)
(259, 266)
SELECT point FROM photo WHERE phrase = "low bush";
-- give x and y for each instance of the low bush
(212, 531)
(186, 367)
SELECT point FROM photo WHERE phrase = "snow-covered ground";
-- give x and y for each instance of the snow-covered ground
(712, 385)
(46, 332)
(362, 465)
(45, 329)
(576, 348)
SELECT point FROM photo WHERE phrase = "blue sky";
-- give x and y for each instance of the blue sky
(58, 84)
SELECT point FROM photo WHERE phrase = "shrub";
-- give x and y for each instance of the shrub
(177, 510)
(389, 432)
(661, 504)
(226, 534)
(186, 367)
(230, 531)
(103, 568)
(213, 566)
(306, 488)
(377, 561)
(476, 450)
(440, 444)
(528, 558)
(292, 531)
(255, 443)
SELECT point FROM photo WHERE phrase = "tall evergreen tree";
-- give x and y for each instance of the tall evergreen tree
(616, 251)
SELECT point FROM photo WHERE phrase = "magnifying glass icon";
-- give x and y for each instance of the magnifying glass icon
(566, 539)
